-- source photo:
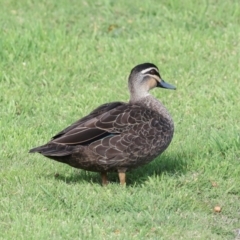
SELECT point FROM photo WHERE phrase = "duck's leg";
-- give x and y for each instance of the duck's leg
(104, 178)
(122, 176)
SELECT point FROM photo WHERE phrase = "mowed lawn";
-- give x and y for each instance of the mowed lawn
(61, 59)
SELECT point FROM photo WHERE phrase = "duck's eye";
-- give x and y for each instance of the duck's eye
(153, 72)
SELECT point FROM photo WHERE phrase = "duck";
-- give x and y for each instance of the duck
(117, 136)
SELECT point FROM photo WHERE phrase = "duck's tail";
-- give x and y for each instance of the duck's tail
(54, 150)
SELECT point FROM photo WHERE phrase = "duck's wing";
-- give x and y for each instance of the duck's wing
(96, 112)
(108, 119)
(84, 131)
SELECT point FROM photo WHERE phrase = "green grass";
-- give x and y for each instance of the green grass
(61, 59)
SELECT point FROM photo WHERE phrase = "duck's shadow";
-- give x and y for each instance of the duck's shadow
(173, 164)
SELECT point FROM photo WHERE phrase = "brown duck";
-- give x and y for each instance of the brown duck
(117, 136)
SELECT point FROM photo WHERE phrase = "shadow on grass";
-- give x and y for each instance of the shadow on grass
(170, 163)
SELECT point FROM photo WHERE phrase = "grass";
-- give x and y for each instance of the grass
(61, 59)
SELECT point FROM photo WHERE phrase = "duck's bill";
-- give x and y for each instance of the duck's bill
(164, 84)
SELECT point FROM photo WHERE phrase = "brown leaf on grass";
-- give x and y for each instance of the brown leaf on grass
(217, 209)
(111, 27)
(214, 184)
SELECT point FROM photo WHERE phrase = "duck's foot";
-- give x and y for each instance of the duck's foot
(122, 178)
(104, 178)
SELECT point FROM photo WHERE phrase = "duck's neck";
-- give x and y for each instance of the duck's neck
(152, 103)
(135, 96)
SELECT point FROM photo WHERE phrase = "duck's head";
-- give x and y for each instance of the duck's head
(143, 78)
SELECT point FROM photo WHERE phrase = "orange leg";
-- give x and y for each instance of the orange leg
(104, 178)
(122, 178)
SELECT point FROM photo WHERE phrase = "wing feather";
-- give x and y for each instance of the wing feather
(98, 111)
(107, 120)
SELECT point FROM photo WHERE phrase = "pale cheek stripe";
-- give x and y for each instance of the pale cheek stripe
(148, 69)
